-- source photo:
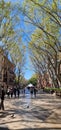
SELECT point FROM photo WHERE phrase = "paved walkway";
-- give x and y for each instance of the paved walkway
(26, 113)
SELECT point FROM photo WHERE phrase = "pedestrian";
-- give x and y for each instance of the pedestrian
(35, 92)
(8, 92)
(11, 92)
(31, 91)
(18, 92)
(14, 91)
(24, 91)
(2, 98)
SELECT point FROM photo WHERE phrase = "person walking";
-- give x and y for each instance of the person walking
(14, 91)
(2, 98)
(8, 92)
(11, 92)
(31, 91)
(35, 92)
(24, 91)
(18, 92)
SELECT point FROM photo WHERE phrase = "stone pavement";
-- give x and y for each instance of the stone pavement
(26, 113)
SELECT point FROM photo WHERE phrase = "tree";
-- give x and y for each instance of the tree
(33, 80)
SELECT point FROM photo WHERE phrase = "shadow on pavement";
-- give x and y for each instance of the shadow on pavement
(3, 128)
(40, 129)
(4, 114)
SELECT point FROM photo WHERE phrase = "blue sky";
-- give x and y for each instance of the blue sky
(28, 67)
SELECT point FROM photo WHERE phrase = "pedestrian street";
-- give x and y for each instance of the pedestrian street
(42, 112)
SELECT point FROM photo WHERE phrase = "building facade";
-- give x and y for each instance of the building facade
(44, 81)
(7, 75)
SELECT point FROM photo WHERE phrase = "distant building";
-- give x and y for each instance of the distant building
(7, 75)
(44, 81)
(39, 81)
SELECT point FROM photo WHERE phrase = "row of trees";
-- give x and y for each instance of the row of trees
(10, 35)
(45, 40)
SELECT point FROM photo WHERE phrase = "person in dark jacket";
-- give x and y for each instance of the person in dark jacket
(35, 92)
(2, 98)
(14, 91)
(31, 91)
(18, 91)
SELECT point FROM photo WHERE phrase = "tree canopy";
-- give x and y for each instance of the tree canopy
(33, 80)
(10, 32)
(45, 40)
